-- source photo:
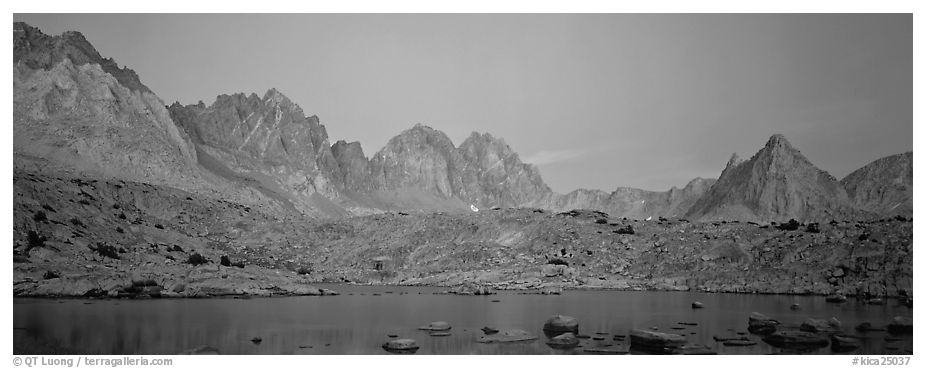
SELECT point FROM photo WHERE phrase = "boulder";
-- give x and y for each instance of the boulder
(842, 343)
(558, 324)
(836, 298)
(761, 324)
(564, 341)
(436, 326)
(513, 335)
(401, 346)
(900, 325)
(822, 326)
(655, 341)
(795, 306)
(489, 330)
(697, 305)
(799, 340)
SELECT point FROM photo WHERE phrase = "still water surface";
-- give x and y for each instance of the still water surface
(358, 322)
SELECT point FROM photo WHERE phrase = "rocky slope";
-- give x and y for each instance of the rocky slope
(73, 106)
(81, 236)
(884, 186)
(117, 195)
(777, 183)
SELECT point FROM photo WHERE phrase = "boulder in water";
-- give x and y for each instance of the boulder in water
(739, 342)
(900, 325)
(564, 341)
(559, 324)
(436, 326)
(513, 335)
(401, 346)
(761, 324)
(842, 343)
(800, 340)
(866, 327)
(836, 298)
(655, 341)
(697, 305)
(612, 350)
(820, 325)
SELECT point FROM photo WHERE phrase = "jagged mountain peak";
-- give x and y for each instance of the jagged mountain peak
(40, 51)
(778, 140)
(777, 183)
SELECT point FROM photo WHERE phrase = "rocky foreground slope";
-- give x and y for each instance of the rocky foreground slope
(86, 237)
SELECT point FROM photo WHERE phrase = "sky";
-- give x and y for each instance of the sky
(596, 101)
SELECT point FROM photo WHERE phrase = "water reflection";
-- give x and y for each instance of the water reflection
(360, 324)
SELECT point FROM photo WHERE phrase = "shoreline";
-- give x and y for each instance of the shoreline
(448, 290)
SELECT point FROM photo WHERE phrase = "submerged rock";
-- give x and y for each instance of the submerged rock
(401, 346)
(436, 326)
(559, 324)
(513, 335)
(819, 325)
(439, 333)
(655, 341)
(697, 305)
(739, 342)
(796, 340)
(867, 326)
(841, 343)
(694, 349)
(761, 324)
(564, 341)
(612, 350)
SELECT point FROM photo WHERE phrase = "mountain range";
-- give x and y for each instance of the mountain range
(77, 111)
